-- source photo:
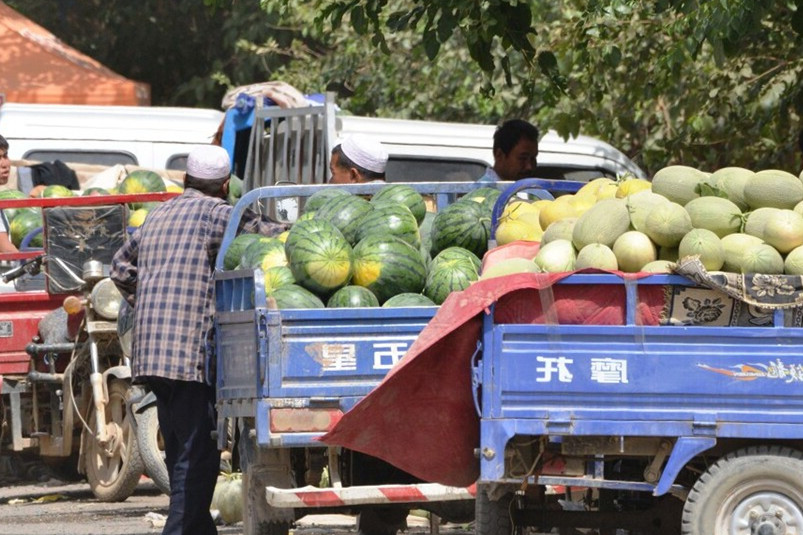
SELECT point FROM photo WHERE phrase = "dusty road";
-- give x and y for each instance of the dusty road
(55, 508)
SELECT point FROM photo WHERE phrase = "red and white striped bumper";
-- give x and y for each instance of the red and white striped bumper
(310, 496)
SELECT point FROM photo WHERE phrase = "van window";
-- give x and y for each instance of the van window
(578, 174)
(177, 162)
(108, 158)
(416, 169)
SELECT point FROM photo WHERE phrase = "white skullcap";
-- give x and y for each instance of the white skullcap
(366, 152)
(208, 161)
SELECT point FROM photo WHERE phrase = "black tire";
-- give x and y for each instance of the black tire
(151, 448)
(381, 521)
(113, 471)
(753, 490)
(492, 517)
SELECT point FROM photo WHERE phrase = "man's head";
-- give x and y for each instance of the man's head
(5, 163)
(515, 149)
(358, 159)
(208, 170)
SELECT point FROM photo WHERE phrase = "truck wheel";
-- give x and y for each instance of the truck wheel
(492, 517)
(151, 448)
(750, 491)
(113, 469)
(381, 521)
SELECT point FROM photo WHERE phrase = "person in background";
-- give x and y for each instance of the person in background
(165, 271)
(515, 152)
(358, 159)
(5, 172)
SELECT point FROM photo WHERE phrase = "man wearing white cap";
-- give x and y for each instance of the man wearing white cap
(358, 159)
(165, 271)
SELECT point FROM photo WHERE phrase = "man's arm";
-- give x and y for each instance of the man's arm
(5, 244)
(123, 270)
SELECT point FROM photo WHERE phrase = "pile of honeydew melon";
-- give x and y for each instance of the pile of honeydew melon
(734, 219)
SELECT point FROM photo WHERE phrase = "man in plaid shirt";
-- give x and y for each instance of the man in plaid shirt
(165, 269)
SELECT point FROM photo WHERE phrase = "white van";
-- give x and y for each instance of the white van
(152, 137)
(438, 151)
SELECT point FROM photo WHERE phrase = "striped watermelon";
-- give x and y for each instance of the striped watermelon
(294, 296)
(315, 200)
(263, 252)
(464, 224)
(387, 266)
(276, 277)
(352, 297)
(485, 196)
(453, 273)
(236, 249)
(319, 256)
(345, 212)
(409, 300)
(452, 254)
(390, 220)
(399, 194)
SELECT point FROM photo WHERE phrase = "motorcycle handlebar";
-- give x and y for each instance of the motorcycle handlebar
(32, 267)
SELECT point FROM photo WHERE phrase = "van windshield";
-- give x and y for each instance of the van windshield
(107, 158)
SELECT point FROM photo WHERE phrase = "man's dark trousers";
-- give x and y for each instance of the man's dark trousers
(186, 412)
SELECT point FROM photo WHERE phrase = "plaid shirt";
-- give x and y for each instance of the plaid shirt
(167, 264)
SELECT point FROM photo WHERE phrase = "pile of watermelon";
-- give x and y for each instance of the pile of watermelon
(348, 251)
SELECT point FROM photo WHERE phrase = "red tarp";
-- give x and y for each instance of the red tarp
(421, 418)
(36, 67)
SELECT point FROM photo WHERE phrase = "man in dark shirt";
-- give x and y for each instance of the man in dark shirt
(165, 269)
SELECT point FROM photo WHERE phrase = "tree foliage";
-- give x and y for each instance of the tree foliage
(707, 83)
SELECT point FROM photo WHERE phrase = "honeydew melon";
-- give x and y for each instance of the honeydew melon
(773, 188)
(678, 183)
(659, 266)
(793, 263)
(784, 231)
(510, 266)
(716, 214)
(602, 223)
(559, 230)
(667, 224)
(762, 258)
(640, 205)
(633, 250)
(733, 247)
(706, 244)
(556, 256)
(731, 181)
(596, 255)
(757, 219)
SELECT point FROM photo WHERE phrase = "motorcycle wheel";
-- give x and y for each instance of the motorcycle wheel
(113, 470)
(151, 449)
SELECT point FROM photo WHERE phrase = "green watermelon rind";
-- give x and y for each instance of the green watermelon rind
(315, 200)
(400, 194)
(465, 224)
(322, 242)
(233, 255)
(390, 220)
(294, 296)
(409, 299)
(345, 212)
(401, 270)
(352, 296)
(454, 276)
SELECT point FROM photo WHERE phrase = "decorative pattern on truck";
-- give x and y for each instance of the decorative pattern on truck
(789, 373)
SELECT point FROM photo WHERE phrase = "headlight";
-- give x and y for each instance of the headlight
(105, 299)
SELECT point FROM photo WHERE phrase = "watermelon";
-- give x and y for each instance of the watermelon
(390, 220)
(315, 200)
(387, 266)
(276, 277)
(425, 231)
(88, 192)
(453, 275)
(294, 296)
(141, 181)
(399, 194)
(56, 190)
(24, 223)
(263, 252)
(345, 212)
(485, 196)
(319, 256)
(352, 297)
(464, 224)
(236, 249)
(409, 299)
(451, 254)
(7, 194)
(235, 189)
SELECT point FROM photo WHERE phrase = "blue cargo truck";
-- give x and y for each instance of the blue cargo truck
(686, 424)
(285, 377)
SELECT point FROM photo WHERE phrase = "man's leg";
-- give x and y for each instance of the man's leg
(190, 420)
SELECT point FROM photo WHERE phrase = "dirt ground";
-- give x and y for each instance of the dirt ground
(37, 503)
